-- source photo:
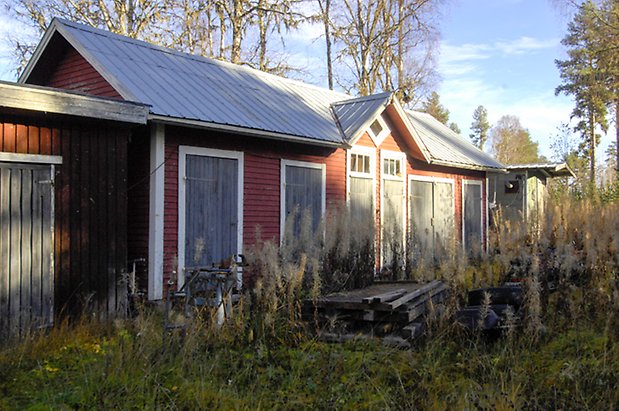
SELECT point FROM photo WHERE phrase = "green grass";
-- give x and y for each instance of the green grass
(126, 367)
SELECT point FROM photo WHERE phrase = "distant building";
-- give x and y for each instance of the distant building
(521, 194)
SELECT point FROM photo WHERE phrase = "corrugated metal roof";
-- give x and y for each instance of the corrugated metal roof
(554, 169)
(447, 147)
(355, 115)
(185, 86)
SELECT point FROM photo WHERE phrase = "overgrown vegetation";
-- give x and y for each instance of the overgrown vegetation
(566, 354)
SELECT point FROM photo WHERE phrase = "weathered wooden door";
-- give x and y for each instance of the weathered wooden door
(392, 221)
(472, 216)
(26, 247)
(362, 200)
(432, 217)
(444, 215)
(421, 214)
(211, 209)
(303, 188)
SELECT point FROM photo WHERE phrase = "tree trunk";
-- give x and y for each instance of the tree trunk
(617, 139)
(237, 32)
(326, 20)
(592, 148)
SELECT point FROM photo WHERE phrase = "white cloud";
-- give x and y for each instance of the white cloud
(524, 45)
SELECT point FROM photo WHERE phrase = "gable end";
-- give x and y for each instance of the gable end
(62, 67)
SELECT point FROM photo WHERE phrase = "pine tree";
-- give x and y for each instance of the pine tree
(480, 127)
(583, 78)
(454, 127)
(434, 107)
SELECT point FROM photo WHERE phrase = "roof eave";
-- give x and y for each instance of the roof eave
(205, 125)
(47, 100)
(475, 167)
(411, 129)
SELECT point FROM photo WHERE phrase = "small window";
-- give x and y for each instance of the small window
(376, 127)
(360, 163)
(512, 187)
(392, 167)
(378, 130)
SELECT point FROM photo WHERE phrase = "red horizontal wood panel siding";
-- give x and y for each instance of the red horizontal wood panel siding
(261, 176)
(73, 72)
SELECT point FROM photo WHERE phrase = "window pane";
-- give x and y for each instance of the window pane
(376, 127)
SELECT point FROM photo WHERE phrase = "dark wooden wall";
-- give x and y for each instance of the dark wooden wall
(90, 241)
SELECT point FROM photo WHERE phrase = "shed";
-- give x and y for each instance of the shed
(228, 149)
(521, 193)
(63, 185)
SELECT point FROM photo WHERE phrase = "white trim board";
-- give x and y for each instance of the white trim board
(282, 192)
(156, 212)
(183, 151)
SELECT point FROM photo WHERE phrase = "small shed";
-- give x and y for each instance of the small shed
(63, 184)
(521, 193)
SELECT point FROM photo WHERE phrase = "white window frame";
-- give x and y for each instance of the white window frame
(395, 155)
(367, 151)
(479, 183)
(378, 139)
(282, 193)
(183, 151)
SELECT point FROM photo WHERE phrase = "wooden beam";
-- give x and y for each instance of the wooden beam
(384, 297)
(30, 158)
(43, 99)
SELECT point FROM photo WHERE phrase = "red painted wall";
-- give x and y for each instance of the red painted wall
(395, 142)
(261, 191)
(73, 72)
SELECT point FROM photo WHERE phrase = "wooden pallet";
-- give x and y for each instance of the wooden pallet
(392, 311)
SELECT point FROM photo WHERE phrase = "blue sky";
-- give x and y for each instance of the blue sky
(500, 54)
(497, 53)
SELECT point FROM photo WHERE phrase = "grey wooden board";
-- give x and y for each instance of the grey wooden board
(432, 217)
(361, 199)
(472, 215)
(211, 207)
(392, 218)
(303, 195)
(444, 214)
(26, 257)
(421, 213)
(353, 299)
(384, 297)
(412, 295)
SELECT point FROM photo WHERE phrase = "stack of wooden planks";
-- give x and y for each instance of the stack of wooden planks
(392, 311)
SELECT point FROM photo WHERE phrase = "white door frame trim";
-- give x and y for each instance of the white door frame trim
(183, 151)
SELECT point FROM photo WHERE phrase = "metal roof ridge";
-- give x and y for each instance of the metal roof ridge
(370, 97)
(196, 57)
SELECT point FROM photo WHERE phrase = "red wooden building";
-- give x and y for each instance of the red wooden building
(227, 149)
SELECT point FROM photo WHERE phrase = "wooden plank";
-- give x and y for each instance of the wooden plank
(15, 252)
(48, 272)
(410, 296)
(26, 250)
(384, 297)
(109, 144)
(27, 97)
(120, 196)
(5, 249)
(39, 175)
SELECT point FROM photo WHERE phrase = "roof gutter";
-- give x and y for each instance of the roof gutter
(204, 125)
(467, 166)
